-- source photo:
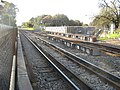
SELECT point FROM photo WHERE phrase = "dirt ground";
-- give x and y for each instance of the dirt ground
(114, 42)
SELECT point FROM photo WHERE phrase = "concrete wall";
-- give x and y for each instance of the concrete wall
(72, 29)
(7, 37)
(56, 29)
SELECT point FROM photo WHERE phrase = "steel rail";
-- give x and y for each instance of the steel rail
(76, 83)
(103, 74)
(110, 49)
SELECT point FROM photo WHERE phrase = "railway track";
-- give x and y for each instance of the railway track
(95, 77)
(104, 47)
(108, 49)
(47, 77)
(106, 60)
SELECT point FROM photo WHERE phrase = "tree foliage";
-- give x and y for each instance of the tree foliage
(56, 20)
(60, 20)
(110, 13)
(27, 24)
(8, 14)
(100, 20)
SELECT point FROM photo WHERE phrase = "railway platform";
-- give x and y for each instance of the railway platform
(22, 75)
(75, 43)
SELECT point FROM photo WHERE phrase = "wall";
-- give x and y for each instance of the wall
(72, 29)
(7, 38)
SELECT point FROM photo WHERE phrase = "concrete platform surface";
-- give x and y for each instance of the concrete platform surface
(22, 76)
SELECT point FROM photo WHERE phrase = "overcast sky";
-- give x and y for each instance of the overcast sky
(81, 10)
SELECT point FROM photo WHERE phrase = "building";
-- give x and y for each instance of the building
(72, 29)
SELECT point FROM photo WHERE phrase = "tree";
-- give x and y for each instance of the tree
(31, 22)
(101, 21)
(56, 20)
(85, 25)
(60, 20)
(8, 14)
(47, 20)
(27, 24)
(38, 21)
(110, 12)
(75, 23)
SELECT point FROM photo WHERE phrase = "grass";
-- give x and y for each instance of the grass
(102, 38)
(115, 35)
(28, 28)
(117, 31)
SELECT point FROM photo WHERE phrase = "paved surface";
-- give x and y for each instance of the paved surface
(23, 80)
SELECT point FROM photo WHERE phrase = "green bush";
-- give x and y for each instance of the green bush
(115, 35)
(117, 31)
(28, 28)
(102, 38)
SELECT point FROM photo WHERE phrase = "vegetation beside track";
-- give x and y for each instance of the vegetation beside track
(115, 35)
(29, 28)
